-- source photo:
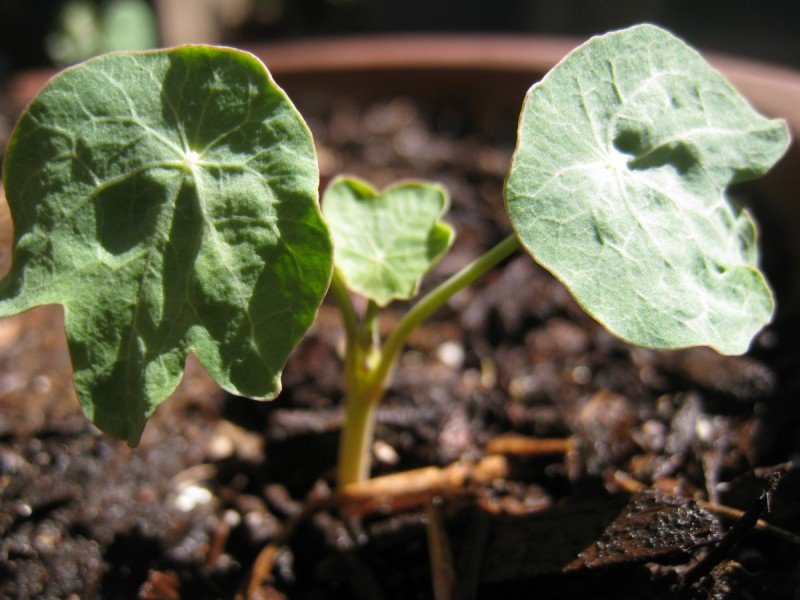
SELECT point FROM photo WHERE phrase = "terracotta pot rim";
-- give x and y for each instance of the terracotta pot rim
(774, 89)
(505, 52)
(513, 53)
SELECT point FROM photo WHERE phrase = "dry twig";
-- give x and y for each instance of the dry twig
(523, 446)
(389, 493)
(443, 572)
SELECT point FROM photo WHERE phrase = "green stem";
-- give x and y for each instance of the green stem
(361, 353)
(355, 443)
(434, 300)
(369, 328)
(342, 298)
(367, 369)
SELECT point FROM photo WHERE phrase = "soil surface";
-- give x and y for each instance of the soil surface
(185, 514)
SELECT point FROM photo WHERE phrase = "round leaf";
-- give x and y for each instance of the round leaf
(617, 186)
(386, 241)
(168, 200)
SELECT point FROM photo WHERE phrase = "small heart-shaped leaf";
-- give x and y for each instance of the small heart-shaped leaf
(386, 241)
(617, 187)
(168, 200)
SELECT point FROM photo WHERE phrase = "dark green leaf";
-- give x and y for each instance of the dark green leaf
(168, 200)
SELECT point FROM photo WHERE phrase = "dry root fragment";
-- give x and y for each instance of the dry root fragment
(389, 493)
(161, 585)
(522, 446)
(443, 571)
(411, 489)
(260, 585)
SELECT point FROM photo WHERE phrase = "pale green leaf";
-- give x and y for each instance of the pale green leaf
(128, 25)
(84, 29)
(386, 241)
(617, 187)
(168, 200)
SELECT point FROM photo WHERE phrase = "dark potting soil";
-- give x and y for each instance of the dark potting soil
(184, 514)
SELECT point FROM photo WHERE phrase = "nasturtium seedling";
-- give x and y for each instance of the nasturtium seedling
(168, 200)
(386, 241)
(617, 187)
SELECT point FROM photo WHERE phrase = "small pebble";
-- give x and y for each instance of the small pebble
(229, 439)
(261, 526)
(581, 375)
(231, 518)
(523, 386)
(385, 453)
(652, 436)
(704, 430)
(451, 354)
(191, 497)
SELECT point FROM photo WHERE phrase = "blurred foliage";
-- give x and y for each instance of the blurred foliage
(32, 32)
(85, 28)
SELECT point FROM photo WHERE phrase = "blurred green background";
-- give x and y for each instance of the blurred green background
(36, 33)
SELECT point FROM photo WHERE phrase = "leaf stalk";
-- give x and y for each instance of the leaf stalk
(368, 367)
